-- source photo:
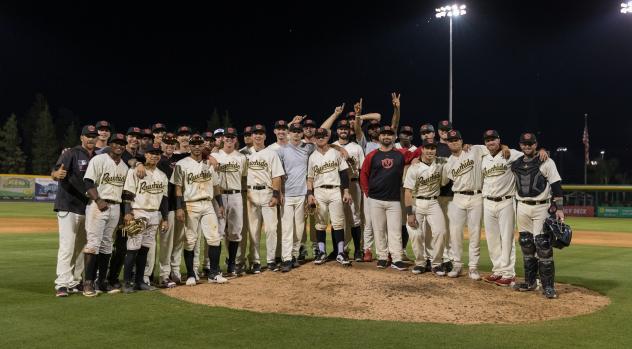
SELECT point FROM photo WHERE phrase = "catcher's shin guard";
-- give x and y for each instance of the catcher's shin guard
(141, 261)
(527, 244)
(546, 264)
(130, 261)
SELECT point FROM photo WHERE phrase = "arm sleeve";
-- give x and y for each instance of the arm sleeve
(164, 207)
(365, 173)
(556, 189)
(88, 183)
(344, 179)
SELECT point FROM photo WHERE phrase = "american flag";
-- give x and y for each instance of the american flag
(585, 140)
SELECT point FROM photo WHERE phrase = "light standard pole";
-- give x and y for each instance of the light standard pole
(626, 7)
(450, 11)
(560, 152)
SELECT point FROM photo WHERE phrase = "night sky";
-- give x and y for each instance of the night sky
(518, 65)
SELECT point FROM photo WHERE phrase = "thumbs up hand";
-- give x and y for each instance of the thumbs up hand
(60, 173)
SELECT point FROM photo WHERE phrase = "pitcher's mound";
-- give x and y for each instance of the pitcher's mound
(365, 292)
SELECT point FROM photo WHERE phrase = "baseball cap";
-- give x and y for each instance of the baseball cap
(134, 131)
(296, 128)
(258, 128)
(147, 133)
(429, 143)
(406, 129)
(321, 132)
(219, 131)
(158, 127)
(280, 124)
(528, 138)
(230, 131)
(118, 138)
(247, 131)
(374, 124)
(208, 135)
(153, 148)
(89, 130)
(343, 123)
(196, 139)
(490, 134)
(103, 123)
(309, 123)
(426, 128)
(387, 129)
(183, 130)
(454, 135)
(445, 125)
(169, 138)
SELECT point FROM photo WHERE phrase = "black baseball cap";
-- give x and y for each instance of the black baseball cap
(387, 129)
(196, 139)
(321, 132)
(528, 138)
(89, 130)
(406, 129)
(247, 131)
(230, 131)
(258, 128)
(429, 142)
(296, 128)
(309, 123)
(490, 134)
(118, 138)
(374, 124)
(343, 123)
(183, 130)
(103, 124)
(280, 124)
(158, 127)
(169, 138)
(208, 135)
(445, 125)
(153, 148)
(454, 135)
(426, 128)
(134, 131)
(147, 133)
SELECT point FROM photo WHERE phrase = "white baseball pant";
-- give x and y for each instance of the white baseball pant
(499, 231)
(245, 244)
(260, 213)
(461, 210)
(147, 238)
(369, 237)
(329, 208)
(444, 201)
(429, 211)
(531, 217)
(200, 215)
(293, 222)
(72, 239)
(100, 226)
(386, 220)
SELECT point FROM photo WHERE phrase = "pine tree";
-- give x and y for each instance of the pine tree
(12, 159)
(71, 137)
(214, 123)
(29, 125)
(226, 122)
(45, 145)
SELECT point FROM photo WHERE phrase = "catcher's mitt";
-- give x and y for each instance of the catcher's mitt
(135, 226)
(310, 210)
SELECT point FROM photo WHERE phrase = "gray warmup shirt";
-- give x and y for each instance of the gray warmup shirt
(294, 159)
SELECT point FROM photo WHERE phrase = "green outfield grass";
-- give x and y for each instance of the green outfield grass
(33, 317)
(26, 209)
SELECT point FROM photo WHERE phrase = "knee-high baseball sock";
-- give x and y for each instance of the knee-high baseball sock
(233, 246)
(188, 262)
(130, 261)
(321, 238)
(90, 261)
(103, 261)
(404, 237)
(339, 239)
(356, 236)
(141, 261)
(213, 257)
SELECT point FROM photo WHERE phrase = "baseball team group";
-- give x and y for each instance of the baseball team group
(187, 192)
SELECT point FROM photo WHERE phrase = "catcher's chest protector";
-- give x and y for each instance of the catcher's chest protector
(530, 181)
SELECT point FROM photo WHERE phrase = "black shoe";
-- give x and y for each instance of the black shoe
(419, 269)
(438, 270)
(321, 258)
(343, 259)
(278, 260)
(116, 284)
(295, 262)
(286, 267)
(144, 287)
(272, 266)
(104, 287)
(399, 265)
(256, 268)
(230, 270)
(382, 264)
(447, 266)
(76, 289)
(550, 293)
(358, 255)
(128, 287)
(173, 277)
(524, 287)
(61, 292)
(428, 265)
(239, 269)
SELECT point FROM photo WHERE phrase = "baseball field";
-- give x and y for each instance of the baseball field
(31, 316)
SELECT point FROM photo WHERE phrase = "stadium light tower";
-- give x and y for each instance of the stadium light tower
(626, 7)
(451, 11)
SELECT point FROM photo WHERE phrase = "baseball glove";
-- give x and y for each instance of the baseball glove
(135, 226)
(310, 210)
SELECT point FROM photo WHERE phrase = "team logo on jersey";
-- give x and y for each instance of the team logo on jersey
(258, 165)
(463, 168)
(201, 177)
(327, 166)
(153, 188)
(433, 180)
(229, 167)
(387, 163)
(115, 180)
(494, 171)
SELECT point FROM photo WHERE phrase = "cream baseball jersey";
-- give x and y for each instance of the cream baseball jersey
(323, 168)
(549, 171)
(356, 157)
(196, 179)
(108, 176)
(498, 180)
(425, 180)
(148, 190)
(263, 165)
(465, 169)
(232, 167)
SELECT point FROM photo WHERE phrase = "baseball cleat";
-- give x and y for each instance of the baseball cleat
(525, 287)
(166, 283)
(368, 256)
(438, 270)
(399, 265)
(256, 268)
(492, 278)
(273, 266)
(549, 292)
(473, 274)
(217, 279)
(88, 290)
(419, 269)
(175, 278)
(382, 264)
(239, 269)
(144, 287)
(61, 292)
(191, 281)
(76, 289)
(128, 287)
(321, 258)
(286, 266)
(447, 266)
(454, 272)
(358, 256)
(295, 263)
(342, 259)
(505, 282)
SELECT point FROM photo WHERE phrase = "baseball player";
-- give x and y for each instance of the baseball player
(144, 198)
(104, 130)
(245, 244)
(146, 138)
(536, 181)
(196, 183)
(353, 211)
(70, 206)
(326, 175)
(280, 132)
(405, 141)
(232, 169)
(183, 134)
(158, 130)
(264, 185)
(103, 180)
(294, 157)
(218, 134)
(423, 182)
